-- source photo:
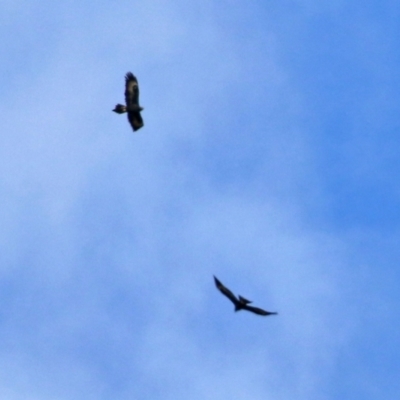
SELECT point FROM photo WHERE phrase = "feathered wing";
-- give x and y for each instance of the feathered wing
(132, 101)
(135, 119)
(225, 291)
(258, 311)
(131, 90)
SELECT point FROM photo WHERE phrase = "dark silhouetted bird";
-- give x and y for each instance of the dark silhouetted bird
(240, 303)
(132, 102)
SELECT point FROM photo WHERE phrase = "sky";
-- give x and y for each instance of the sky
(268, 158)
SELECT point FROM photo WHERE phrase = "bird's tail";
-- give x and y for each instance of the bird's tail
(119, 109)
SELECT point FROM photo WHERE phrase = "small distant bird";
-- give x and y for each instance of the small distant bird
(240, 303)
(132, 102)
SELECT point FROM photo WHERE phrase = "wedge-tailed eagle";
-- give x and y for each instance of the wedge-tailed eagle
(240, 303)
(132, 102)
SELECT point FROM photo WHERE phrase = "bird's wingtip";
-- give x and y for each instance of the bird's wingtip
(217, 281)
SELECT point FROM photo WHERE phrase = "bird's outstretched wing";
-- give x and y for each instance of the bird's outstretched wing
(131, 90)
(135, 119)
(132, 101)
(258, 311)
(225, 291)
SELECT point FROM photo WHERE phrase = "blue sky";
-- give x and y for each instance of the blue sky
(269, 157)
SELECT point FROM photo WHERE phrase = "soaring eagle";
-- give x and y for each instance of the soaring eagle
(132, 102)
(240, 303)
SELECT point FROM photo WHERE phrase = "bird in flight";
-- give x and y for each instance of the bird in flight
(132, 102)
(240, 302)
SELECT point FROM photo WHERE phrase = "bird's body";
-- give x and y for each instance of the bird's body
(240, 303)
(132, 106)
